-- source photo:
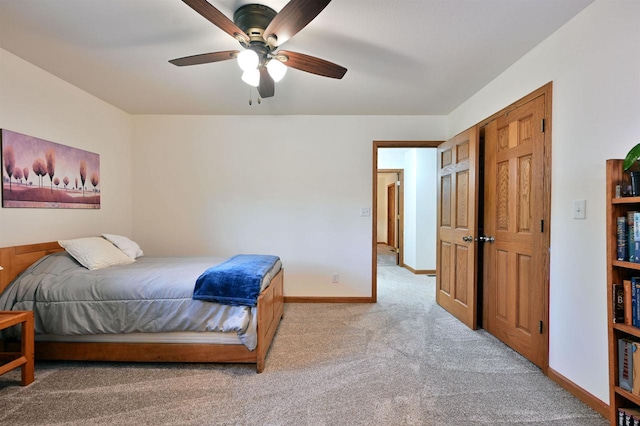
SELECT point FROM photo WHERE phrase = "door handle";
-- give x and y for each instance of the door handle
(468, 239)
(486, 239)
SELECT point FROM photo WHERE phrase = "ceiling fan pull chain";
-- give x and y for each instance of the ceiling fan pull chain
(250, 101)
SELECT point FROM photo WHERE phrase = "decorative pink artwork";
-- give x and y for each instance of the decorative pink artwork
(44, 174)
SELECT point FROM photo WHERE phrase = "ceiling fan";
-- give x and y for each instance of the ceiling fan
(260, 30)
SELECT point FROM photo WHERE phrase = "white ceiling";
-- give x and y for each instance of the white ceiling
(404, 57)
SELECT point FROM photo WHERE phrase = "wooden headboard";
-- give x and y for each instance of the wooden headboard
(18, 258)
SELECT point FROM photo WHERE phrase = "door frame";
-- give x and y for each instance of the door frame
(392, 216)
(400, 209)
(374, 215)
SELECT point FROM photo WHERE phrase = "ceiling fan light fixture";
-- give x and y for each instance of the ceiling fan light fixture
(251, 77)
(276, 69)
(248, 60)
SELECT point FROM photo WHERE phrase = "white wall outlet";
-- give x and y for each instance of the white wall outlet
(335, 278)
(365, 211)
(579, 209)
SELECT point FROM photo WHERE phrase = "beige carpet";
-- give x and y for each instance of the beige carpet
(401, 361)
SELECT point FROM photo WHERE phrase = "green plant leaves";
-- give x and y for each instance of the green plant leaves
(632, 156)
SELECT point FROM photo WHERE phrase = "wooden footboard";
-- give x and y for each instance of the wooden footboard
(270, 311)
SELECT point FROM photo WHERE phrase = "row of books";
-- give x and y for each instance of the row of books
(628, 417)
(628, 237)
(626, 302)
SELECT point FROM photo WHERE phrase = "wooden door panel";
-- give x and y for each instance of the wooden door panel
(513, 275)
(444, 268)
(523, 289)
(461, 277)
(462, 195)
(456, 283)
(502, 302)
(445, 201)
(524, 194)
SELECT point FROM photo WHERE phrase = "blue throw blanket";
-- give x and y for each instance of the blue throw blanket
(235, 281)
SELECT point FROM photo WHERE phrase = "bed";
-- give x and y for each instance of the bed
(206, 345)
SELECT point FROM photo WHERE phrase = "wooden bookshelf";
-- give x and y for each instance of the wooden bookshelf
(617, 271)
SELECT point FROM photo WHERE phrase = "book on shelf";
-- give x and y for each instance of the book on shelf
(621, 234)
(628, 307)
(625, 364)
(635, 301)
(618, 303)
(635, 376)
(633, 246)
(628, 417)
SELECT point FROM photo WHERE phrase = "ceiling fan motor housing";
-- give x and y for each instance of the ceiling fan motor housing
(253, 19)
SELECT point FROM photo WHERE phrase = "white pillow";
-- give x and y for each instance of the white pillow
(95, 252)
(130, 248)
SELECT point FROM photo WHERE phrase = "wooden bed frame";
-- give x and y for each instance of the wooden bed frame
(270, 310)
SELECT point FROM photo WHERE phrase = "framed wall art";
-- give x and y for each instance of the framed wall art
(37, 173)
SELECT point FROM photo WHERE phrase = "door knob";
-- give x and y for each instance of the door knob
(486, 239)
(468, 238)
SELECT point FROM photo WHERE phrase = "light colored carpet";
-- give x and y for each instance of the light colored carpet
(401, 361)
(386, 255)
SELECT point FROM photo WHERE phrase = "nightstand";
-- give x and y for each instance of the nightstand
(24, 358)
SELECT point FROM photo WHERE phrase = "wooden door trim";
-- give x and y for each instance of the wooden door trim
(391, 230)
(547, 92)
(400, 208)
(374, 214)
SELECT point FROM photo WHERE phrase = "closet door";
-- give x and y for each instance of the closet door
(515, 273)
(456, 282)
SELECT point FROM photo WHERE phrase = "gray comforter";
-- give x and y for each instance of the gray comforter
(153, 294)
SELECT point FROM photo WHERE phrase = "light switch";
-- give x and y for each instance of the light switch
(579, 209)
(365, 211)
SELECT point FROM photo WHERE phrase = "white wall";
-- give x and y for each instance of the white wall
(391, 158)
(36, 103)
(426, 208)
(594, 63)
(290, 185)
(410, 206)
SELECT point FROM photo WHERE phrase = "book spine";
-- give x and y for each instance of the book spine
(635, 295)
(623, 250)
(634, 304)
(635, 374)
(628, 307)
(625, 367)
(632, 256)
(618, 303)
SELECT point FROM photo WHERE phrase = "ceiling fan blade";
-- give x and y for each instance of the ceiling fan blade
(205, 58)
(267, 87)
(312, 64)
(293, 17)
(217, 18)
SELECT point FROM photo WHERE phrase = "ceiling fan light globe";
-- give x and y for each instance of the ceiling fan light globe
(248, 60)
(276, 69)
(251, 77)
